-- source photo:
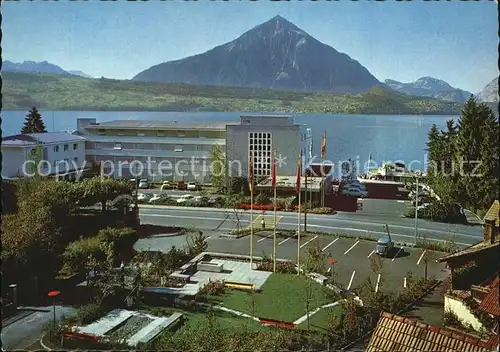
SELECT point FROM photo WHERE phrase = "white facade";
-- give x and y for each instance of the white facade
(156, 150)
(262, 135)
(60, 153)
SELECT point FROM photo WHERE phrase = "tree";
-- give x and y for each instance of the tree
(315, 260)
(197, 244)
(33, 122)
(218, 175)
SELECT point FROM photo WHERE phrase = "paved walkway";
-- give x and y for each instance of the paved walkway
(26, 331)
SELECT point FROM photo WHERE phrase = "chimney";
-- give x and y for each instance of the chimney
(490, 231)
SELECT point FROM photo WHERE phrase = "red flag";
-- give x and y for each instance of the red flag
(251, 175)
(323, 146)
(299, 172)
(273, 171)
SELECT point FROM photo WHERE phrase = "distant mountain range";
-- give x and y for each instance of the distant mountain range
(275, 55)
(39, 67)
(430, 87)
(489, 94)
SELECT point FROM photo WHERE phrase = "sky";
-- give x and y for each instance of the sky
(454, 41)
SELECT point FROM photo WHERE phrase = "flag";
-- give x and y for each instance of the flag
(299, 172)
(370, 157)
(273, 171)
(251, 175)
(323, 146)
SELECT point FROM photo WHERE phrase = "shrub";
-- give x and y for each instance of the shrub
(77, 252)
(323, 210)
(262, 198)
(122, 239)
(213, 288)
(287, 267)
(439, 211)
(89, 313)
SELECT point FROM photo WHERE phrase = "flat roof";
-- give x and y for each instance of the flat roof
(36, 138)
(180, 125)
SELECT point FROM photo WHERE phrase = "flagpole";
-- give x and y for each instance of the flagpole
(305, 203)
(274, 234)
(251, 209)
(298, 236)
(274, 244)
(251, 228)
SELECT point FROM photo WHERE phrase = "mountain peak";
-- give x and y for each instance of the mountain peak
(275, 54)
(430, 87)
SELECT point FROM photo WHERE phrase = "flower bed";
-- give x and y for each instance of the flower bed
(258, 207)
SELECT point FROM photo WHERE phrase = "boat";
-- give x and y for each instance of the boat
(393, 171)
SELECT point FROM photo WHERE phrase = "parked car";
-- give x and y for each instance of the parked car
(384, 246)
(354, 192)
(167, 185)
(181, 186)
(159, 198)
(421, 200)
(192, 186)
(144, 184)
(355, 184)
(423, 206)
(185, 198)
(145, 196)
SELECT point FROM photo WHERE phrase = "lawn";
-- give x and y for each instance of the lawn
(320, 320)
(282, 298)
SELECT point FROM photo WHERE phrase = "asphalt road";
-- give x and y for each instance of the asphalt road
(370, 221)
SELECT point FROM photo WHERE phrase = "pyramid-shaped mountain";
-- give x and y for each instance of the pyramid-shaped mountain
(276, 54)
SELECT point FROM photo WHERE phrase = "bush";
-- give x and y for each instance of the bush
(89, 313)
(213, 288)
(262, 198)
(123, 239)
(77, 252)
(323, 210)
(281, 267)
(439, 211)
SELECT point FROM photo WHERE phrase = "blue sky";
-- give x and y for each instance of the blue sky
(453, 41)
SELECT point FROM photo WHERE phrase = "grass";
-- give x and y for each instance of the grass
(56, 92)
(282, 298)
(321, 319)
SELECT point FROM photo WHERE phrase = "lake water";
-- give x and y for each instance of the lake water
(386, 137)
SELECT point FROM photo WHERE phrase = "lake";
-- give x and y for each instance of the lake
(386, 137)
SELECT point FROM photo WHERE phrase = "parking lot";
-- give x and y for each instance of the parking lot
(354, 258)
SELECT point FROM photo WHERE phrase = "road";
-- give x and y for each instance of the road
(367, 222)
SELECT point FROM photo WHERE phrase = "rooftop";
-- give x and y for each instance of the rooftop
(493, 213)
(490, 302)
(147, 125)
(36, 138)
(396, 333)
(474, 249)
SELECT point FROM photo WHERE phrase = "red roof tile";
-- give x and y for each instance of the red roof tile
(490, 303)
(395, 333)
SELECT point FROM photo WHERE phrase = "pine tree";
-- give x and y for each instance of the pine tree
(33, 122)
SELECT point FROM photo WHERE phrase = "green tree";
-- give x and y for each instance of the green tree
(33, 122)
(197, 244)
(218, 173)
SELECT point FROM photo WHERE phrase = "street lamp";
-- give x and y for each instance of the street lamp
(53, 294)
(416, 207)
(332, 262)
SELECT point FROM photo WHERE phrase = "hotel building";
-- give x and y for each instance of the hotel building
(156, 150)
(180, 151)
(60, 154)
(260, 135)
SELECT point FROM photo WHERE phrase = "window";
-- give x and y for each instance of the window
(161, 134)
(120, 133)
(75, 146)
(66, 147)
(56, 148)
(118, 146)
(101, 132)
(260, 144)
(140, 134)
(178, 148)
